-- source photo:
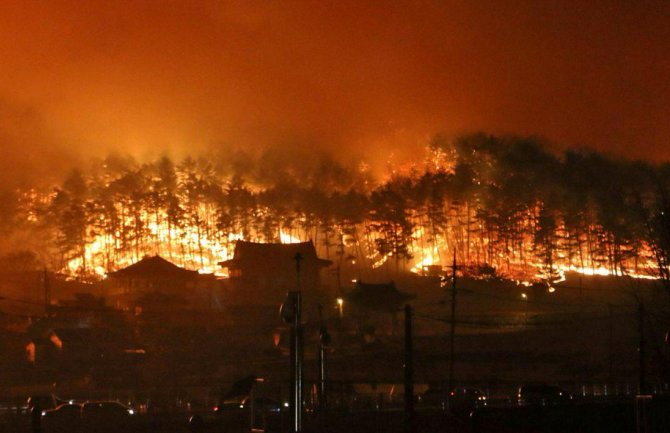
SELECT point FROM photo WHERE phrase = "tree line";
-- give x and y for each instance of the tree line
(507, 205)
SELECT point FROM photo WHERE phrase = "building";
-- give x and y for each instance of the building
(384, 298)
(33, 292)
(262, 274)
(376, 305)
(153, 277)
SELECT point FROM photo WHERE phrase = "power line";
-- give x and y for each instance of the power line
(531, 324)
(545, 302)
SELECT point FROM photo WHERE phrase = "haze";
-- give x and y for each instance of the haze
(363, 80)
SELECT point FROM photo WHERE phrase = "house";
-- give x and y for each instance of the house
(262, 274)
(33, 292)
(153, 276)
(372, 305)
(384, 297)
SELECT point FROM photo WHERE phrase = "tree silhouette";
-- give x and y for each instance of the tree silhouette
(502, 201)
(390, 219)
(69, 211)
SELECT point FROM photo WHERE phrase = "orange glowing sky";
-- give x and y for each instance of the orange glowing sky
(368, 78)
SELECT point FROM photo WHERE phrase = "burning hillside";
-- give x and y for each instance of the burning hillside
(503, 205)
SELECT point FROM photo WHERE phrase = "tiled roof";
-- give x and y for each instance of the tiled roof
(252, 252)
(154, 267)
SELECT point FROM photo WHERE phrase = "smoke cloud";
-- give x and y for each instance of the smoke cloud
(358, 80)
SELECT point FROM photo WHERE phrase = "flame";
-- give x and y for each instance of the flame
(185, 238)
(198, 242)
(602, 271)
(381, 260)
(428, 256)
(286, 238)
(189, 247)
(427, 261)
(186, 246)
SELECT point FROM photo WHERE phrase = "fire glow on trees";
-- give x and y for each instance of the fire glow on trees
(503, 204)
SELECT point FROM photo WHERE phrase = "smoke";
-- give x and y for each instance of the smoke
(32, 155)
(352, 80)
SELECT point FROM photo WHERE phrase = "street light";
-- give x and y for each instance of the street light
(340, 306)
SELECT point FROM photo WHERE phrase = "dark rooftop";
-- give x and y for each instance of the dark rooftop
(153, 267)
(257, 253)
(380, 297)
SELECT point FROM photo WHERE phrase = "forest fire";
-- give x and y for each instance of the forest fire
(494, 208)
(336, 216)
(203, 254)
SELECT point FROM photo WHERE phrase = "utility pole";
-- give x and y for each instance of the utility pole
(409, 372)
(643, 400)
(610, 342)
(291, 314)
(324, 341)
(581, 301)
(452, 331)
(47, 292)
(642, 383)
(297, 326)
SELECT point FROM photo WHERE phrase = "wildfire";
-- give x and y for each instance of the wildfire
(286, 238)
(427, 257)
(192, 248)
(379, 261)
(416, 222)
(174, 243)
(425, 262)
(602, 271)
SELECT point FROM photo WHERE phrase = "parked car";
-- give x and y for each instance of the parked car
(463, 400)
(43, 402)
(460, 401)
(541, 395)
(434, 398)
(64, 418)
(255, 413)
(265, 413)
(261, 404)
(105, 416)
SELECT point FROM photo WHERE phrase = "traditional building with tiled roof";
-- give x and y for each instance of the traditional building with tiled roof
(264, 273)
(153, 275)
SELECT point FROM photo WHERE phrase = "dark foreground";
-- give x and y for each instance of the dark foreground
(578, 417)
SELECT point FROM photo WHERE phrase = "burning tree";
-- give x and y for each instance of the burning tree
(70, 211)
(654, 208)
(507, 203)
